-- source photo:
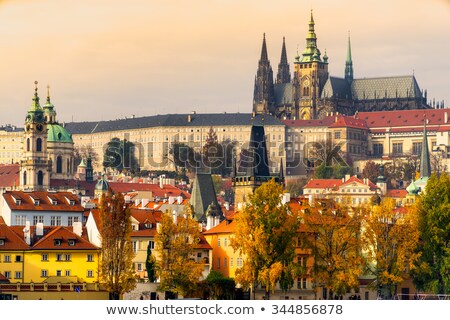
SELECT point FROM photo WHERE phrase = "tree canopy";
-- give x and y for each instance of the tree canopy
(264, 236)
(120, 155)
(116, 267)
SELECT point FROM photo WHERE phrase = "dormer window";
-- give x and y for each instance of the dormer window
(18, 202)
(54, 202)
(71, 242)
(72, 202)
(2, 242)
(148, 225)
(36, 202)
(57, 242)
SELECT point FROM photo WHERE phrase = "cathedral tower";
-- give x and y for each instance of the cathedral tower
(35, 166)
(263, 95)
(310, 75)
(284, 75)
(349, 63)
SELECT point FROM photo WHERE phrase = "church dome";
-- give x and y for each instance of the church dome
(102, 184)
(413, 188)
(57, 133)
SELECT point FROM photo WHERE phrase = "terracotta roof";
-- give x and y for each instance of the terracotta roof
(225, 226)
(357, 180)
(349, 122)
(165, 192)
(63, 234)
(9, 175)
(323, 183)
(47, 229)
(325, 122)
(25, 201)
(74, 184)
(402, 118)
(203, 244)
(11, 240)
(396, 193)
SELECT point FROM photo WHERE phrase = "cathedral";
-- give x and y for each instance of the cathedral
(311, 93)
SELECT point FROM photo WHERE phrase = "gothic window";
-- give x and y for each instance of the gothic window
(28, 144)
(58, 164)
(40, 178)
(39, 144)
(24, 177)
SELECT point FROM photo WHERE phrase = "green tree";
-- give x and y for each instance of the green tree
(389, 239)
(432, 267)
(220, 287)
(212, 153)
(184, 158)
(150, 265)
(120, 155)
(265, 232)
(116, 266)
(176, 240)
(335, 244)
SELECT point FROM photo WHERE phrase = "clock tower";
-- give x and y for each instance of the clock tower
(35, 165)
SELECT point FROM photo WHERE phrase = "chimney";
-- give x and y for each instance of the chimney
(189, 118)
(77, 228)
(179, 199)
(161, 185)
(227, 205)
(445, 117)
(27, 233)
(171, 200)
(39, 229)
(127, 199)
(174, 216)
(145, 202)
(136, 202)
(347, 177)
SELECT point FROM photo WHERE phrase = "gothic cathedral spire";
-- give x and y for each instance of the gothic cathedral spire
(349, 63)
(263, 94)
(284, 75)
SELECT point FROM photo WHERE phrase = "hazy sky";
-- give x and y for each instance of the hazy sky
(107, 59)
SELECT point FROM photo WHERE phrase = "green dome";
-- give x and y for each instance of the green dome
(102, 184)
(413, 188)
(57, 133)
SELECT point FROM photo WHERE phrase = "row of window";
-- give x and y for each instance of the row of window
(45, 257)
(54, 220)
(142, 245)
(224, 264)
(45, 273)
(397, 148)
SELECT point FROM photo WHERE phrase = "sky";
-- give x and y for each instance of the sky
(109, 59)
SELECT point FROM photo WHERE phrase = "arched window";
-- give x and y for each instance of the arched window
(28, 144)
(68, 166)
(24, 178)
(40, 178)
(58, 164)
(39, 144)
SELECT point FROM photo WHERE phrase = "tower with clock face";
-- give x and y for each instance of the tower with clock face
(35, 165)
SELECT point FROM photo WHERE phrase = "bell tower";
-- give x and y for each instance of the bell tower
(35, 166)
(310, 75)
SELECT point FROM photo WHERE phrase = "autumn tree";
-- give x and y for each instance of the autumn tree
(335, 245)
(176, 240)
(212, 153)
(371, 171)
(150, 265)
(184, 158)
(264, 236)
(390, 237)
(116, 267)
(325, 152)
(120, 155)
(432, 267)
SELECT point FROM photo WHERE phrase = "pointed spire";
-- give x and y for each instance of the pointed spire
(264, 56)
(425, 167)
(349, 62)
(284, 75)
(311, 52)
(35, 104)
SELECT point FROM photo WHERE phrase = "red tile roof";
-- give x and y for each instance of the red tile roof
(225, 226)
(45, 201)
(349, 122)
(64, 235)
(357, 180)
(9, 175)
(396, 193)
(11, 240)
(404, 118)
(165, 192)
(323, 183)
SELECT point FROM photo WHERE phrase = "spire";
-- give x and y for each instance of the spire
(349, 63)
(425, 167)
(264, 56)
(49, 109)
(35, 104)
(254, 160)
(311, 52)
(283, 76)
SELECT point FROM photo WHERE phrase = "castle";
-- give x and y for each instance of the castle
(312, 93)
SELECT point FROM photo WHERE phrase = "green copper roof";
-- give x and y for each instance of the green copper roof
(311, 52)
(82, 164)
(412, 188)
(57, 133)
(102, 184)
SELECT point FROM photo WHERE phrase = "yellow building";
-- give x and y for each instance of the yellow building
(11, 144)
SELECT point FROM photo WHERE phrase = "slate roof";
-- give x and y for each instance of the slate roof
(336, 87)
(171, 120)
(203, 195)
(391, 87)
(283, 93)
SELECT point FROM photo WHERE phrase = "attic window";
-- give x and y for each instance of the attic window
(54, 202)
(57, 242)
(2, 242)
(18, 202)
(72, 202)
(71, 242)
(148, 225)
(36, 202)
